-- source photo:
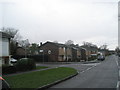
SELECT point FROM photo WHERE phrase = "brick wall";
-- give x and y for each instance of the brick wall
(53, 49)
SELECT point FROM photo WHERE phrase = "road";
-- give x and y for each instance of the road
(103, 74)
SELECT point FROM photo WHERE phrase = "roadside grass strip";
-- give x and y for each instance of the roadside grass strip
(39, 78)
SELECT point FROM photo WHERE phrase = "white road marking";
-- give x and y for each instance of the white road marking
(82, 72)
(117, 62)
(119, 73)
(90, 68)
(118, 84)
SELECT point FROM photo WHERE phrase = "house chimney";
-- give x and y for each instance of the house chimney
(40, 43)
(16, 44)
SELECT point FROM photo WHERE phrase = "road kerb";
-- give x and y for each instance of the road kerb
(56, 82)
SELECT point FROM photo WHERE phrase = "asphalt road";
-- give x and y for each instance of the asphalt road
(103, 74)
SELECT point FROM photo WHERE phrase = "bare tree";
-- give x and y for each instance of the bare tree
(14, 41)
(33, 49)
(69, 42)
(24, 43)
(103, 47)
(13, 32)
(89, 44)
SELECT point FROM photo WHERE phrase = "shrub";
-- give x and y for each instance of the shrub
(92, 58)
(6, 69)
(31, 64)
(25, 64)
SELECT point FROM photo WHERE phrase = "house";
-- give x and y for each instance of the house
(68, 53)
(111, 52)
(105, 52)
(81, 53)
(90, 50)
(53, 51)
(61, 52)
(20, 51)
(4, 47)
(58, 52)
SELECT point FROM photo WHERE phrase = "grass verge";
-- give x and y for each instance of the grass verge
(41, 67)
(39, 78)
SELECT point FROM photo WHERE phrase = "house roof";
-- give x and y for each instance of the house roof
(56, 44)
(20, 48)
(5, 35)
(64, 45)
(89, 47)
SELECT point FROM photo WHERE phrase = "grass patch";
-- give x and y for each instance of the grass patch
(41, 67)
(39, 78)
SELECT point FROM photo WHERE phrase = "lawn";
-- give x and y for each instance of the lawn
(41, 67)
(39, 78)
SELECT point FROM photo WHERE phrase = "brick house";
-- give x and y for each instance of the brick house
(51, 50)
(81, 53)
(58, 52)
(20, 51)
(90, 50)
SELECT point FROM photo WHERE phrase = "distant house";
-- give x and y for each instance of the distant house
(90, 50)
(20, 51)
(5, 49)
(79, 53)
(111, 51)
(59, 52)
(105, 52)
(83, 54)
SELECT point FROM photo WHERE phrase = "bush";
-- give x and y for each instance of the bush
(6, 69)
(25, 64)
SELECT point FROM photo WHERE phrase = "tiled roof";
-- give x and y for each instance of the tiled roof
(58, 44)
(64, 45)
(5, 35)
(89, 48)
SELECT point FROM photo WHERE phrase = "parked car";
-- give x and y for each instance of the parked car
(5, 85)
(12, 61)
(101, 57)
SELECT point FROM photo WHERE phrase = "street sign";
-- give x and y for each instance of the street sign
(49, 51)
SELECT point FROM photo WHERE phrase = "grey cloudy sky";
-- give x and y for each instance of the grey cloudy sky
(94, 21)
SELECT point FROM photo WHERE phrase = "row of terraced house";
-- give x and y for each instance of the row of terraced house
(62, 52)
(55, 52)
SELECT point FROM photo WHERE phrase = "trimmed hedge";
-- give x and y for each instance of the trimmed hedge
(36, 58)
(25, 64)
(6, 69)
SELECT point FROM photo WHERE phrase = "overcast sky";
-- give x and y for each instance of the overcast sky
(94, 21)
